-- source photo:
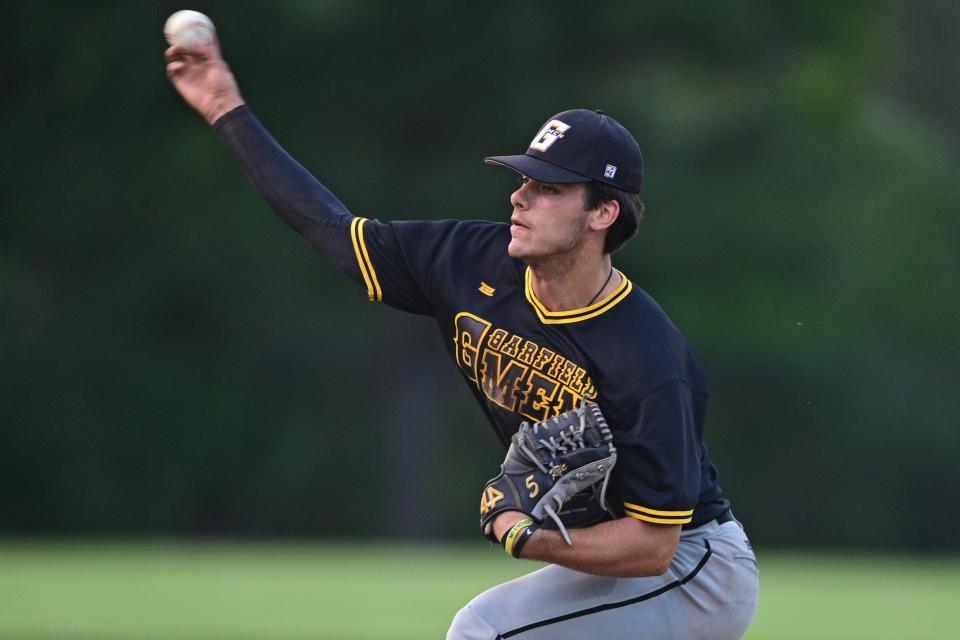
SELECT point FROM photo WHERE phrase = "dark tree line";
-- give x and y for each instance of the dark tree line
(173, 360)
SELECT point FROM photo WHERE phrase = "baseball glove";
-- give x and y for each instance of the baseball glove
(566, 459)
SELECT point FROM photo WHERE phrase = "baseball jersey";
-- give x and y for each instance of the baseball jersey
(521, 361)
(525, 362)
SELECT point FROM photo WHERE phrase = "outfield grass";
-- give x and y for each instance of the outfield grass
(187, 591)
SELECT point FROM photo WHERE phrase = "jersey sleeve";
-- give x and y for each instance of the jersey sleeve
(409, 264)
(658, 462)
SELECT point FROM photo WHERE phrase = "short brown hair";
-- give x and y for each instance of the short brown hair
(631, 212)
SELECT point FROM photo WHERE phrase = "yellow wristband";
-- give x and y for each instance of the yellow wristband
(512, 534)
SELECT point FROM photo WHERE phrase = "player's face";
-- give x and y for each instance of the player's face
(548, 219)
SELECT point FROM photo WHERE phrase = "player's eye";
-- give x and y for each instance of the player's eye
(543, 187)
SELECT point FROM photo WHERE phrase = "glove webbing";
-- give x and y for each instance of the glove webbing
(571, 437)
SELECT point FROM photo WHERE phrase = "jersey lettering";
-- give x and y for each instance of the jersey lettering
(512, 347)
(567, 373)
(517, 373)
(470, 333)
(501, 382)
(556, 367)
(566, 400)
(497, 338)
(543, 358)
(538, 396)
(529, 350)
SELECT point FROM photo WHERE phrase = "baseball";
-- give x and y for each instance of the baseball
(187, 29)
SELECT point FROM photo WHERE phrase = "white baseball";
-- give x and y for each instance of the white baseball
(187, 29)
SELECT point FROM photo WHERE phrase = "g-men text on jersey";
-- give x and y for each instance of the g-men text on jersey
(517, 373)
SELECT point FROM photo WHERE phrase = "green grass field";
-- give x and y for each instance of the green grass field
(186, 591)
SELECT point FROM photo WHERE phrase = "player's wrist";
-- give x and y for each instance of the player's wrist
(221, 107)
(504, 521)
(516, 537)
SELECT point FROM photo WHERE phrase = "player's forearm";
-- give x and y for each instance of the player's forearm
(290, 190)
(620, 548)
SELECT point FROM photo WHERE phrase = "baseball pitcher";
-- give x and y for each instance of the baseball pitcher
(597, 397)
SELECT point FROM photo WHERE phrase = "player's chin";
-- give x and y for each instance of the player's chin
(517, 249)
(523, 249)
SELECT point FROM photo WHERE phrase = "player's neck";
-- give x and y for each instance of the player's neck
(568, 285)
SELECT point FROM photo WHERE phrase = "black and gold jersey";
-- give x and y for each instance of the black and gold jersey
(524, 362)
(520, 360)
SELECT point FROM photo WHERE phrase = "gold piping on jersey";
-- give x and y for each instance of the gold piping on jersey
(363, 259)
(576, 315)
(649, 515)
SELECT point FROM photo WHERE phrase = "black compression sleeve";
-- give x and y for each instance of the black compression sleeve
(294, 194)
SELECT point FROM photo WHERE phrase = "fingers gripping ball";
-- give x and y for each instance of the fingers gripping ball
(566, 459)
(187, 29)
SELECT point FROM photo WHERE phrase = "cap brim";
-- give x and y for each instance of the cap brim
(539, 170)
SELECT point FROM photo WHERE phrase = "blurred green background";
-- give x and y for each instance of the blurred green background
(175, 362)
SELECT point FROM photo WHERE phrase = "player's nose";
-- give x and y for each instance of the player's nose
(518, 198)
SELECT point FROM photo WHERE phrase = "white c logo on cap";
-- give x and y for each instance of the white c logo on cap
(551, 132)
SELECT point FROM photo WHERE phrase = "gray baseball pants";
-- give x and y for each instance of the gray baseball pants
(709, 592)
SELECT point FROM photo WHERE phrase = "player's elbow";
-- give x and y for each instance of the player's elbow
(660, 545)
(661, 562)
(651, 562)
(640, 568)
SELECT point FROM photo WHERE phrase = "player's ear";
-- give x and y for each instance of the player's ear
(604, 215)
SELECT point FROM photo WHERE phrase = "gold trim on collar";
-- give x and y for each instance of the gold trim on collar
(576, 315)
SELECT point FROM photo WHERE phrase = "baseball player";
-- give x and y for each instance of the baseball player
(537, 319)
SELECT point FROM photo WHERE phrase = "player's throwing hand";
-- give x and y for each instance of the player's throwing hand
(203, 78)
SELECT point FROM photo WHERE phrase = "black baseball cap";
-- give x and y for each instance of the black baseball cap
(580, 145)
